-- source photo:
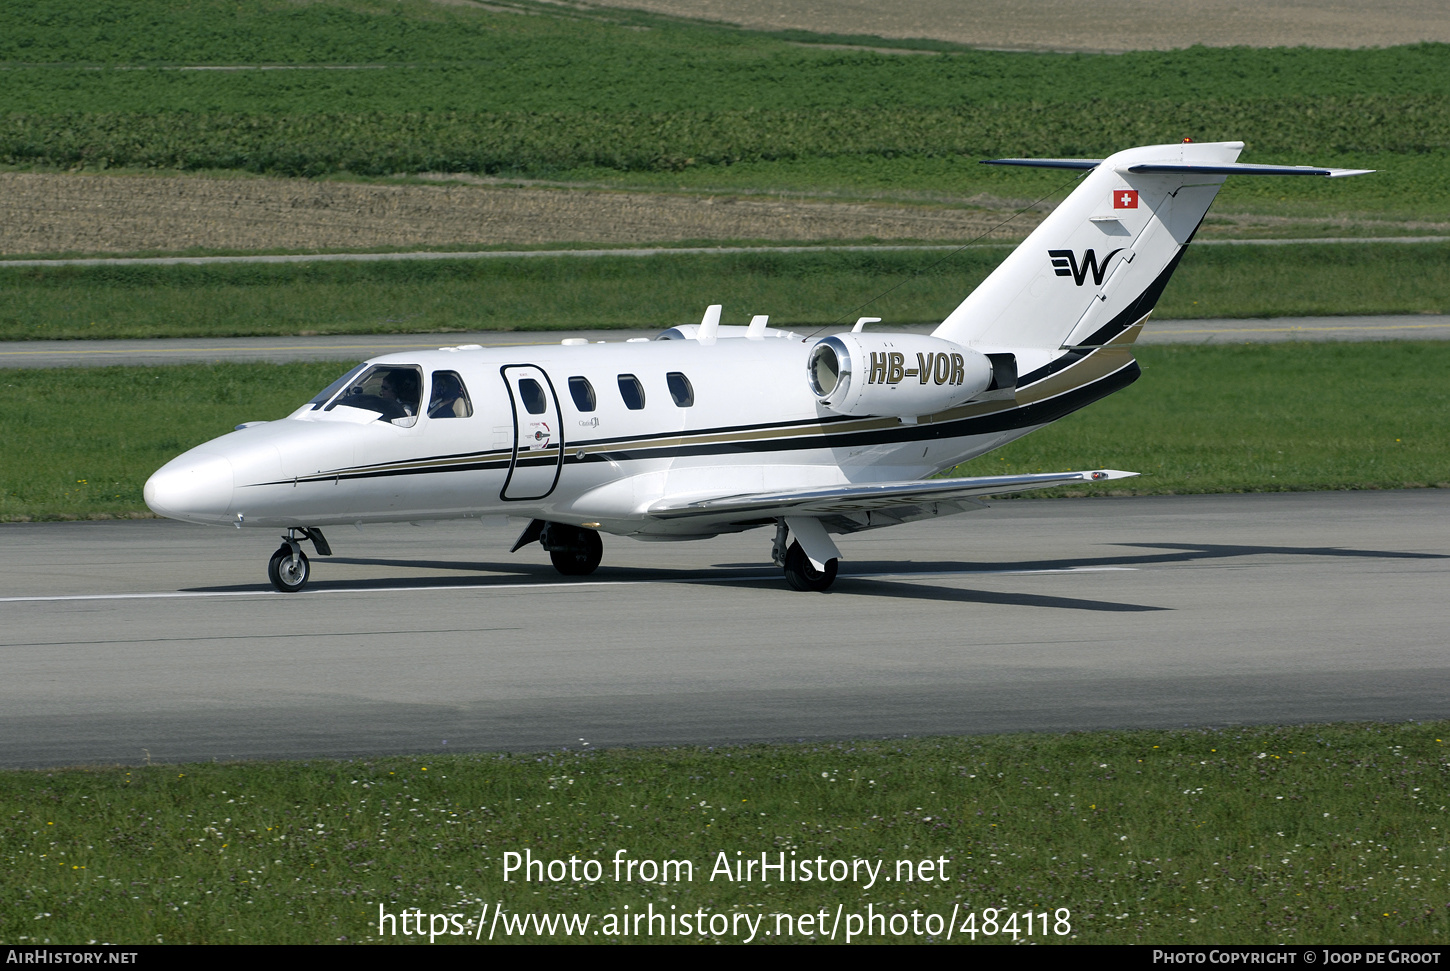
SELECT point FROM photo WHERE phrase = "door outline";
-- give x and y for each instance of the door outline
(529, 483)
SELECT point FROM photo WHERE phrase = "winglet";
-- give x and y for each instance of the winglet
(709, 324)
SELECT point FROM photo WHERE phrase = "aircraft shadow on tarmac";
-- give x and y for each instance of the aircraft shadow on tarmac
(887, 578)
(766, 579)
(1173, 553)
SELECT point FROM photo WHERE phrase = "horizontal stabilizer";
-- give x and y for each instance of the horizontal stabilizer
(1080, 164)
(1191, 168)
(860, 498)
(1243, 168)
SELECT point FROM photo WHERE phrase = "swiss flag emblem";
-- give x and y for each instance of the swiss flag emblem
(1125, 199)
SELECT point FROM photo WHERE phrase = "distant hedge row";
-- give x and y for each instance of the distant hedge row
(381, 143)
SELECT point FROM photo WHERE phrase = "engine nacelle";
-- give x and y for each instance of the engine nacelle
(896, 375)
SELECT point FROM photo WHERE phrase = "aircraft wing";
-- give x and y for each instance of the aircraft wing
(898, 500)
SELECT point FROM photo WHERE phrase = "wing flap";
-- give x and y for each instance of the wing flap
(838, 500)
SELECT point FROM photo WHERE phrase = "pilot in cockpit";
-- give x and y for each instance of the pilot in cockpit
(401, 386)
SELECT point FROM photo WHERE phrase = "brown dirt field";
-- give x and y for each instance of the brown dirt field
(57, 213)
(1088, 25)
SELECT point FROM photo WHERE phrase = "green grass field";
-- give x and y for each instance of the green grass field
(80, 442)
(642, 100)
(1306, 835)
(802, 290)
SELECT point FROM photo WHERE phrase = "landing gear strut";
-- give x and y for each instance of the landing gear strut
(288, 568)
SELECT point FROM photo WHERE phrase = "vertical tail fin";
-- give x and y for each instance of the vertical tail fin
(1099, 262)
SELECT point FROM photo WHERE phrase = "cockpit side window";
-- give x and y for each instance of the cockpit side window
(326, 393)
(449, 398)
(391, 390)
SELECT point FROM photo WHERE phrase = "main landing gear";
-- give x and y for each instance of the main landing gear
(800, 572)
(288, 568)
(574, 550)
(577, 550)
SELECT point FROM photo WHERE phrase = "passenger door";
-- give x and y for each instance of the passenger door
(538, 451)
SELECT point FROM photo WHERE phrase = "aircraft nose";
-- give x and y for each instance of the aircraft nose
(196, 487)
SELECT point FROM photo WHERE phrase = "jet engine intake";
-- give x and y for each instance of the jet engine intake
(896, 375)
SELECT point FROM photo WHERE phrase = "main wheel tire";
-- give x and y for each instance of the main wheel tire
(284, 575)
(582, 557)
(801, 574)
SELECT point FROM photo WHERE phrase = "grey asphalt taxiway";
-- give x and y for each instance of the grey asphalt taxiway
(357, 347)
(124, 641)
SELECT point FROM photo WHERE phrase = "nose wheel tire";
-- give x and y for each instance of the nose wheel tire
(801, 574)
(284, 574)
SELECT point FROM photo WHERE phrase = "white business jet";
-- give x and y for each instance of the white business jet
(715, 429)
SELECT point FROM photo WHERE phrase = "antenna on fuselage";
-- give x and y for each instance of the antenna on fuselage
(756, 330)
(709, 324)
(862, 322)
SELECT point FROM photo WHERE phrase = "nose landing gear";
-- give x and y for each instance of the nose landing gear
(288, 569)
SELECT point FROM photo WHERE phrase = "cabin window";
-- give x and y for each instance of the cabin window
(680, 389)
(449, 398)
(631, 391)
(326, 393)
(583, 393)
(535, 401)
(393, 391)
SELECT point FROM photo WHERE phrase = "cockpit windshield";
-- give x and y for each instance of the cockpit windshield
(326, 393)
(392, 390)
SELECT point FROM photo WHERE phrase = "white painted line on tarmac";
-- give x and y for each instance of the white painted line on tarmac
(573, 584)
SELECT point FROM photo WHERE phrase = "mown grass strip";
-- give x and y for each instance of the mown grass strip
(81, 442)
(1320, 834)
(802, 290)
